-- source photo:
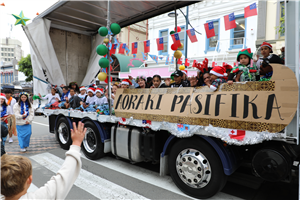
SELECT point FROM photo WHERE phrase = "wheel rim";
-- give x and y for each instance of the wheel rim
(193, 168)
(90, 141)
(63, 133)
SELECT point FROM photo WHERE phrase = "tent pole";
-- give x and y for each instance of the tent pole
(108, 57)
(176, 32)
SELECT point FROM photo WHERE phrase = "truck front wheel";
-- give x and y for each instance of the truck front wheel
(196, 168)
(63, 133)
(92, 146)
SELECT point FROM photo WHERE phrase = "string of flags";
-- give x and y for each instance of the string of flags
(229, 21)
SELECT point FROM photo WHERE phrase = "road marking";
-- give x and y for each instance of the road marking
(148, 176)
(99, 187)
(40, 124)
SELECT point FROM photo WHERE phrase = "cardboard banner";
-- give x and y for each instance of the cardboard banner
(255, 106)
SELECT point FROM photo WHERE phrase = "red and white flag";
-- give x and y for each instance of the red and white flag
(237, 134)
(179, 61)
(187, 62)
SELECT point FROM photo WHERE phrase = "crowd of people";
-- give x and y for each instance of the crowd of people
(93, 99)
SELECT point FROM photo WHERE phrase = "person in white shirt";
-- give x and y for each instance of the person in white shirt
(10, 102)
(90, 101)
(101, 99)
(16, 173)
(52, 97)
(82, 94)
(24, 113)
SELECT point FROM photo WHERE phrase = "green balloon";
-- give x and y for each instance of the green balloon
(115, 28)
(101, 50)
(103, 62)
(172, 32)
(103, 31)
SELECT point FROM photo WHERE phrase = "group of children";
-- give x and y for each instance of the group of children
(96, 100)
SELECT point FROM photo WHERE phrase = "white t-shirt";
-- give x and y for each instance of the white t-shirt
(51, 98)
(101, 101)
(8, 110)
(82, 97)
(91, 100)
(12, 103)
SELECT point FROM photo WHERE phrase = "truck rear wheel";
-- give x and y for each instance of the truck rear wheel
(63, 133)
(196, 168)
(92, 147)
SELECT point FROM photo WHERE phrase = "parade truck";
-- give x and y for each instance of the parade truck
(198, 137)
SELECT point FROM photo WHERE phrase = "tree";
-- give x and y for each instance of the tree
(26, 67)
(281, 28)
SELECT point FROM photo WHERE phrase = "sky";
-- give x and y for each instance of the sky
(29, 8)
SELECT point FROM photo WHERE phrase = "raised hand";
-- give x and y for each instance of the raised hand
(78, 133)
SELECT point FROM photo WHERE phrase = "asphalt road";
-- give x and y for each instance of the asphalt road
(111, 178)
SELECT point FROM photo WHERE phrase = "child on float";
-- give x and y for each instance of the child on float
(246, 68)
(82, 95)
(101, 99)
(10, 102)
(157, 82)
(24, 116)
(216, 78)
(113, 93)
(74, 85)
(266, 70)
(73, 101)
(185, 78)
(265, 50)
(5, 112)
(88, 105)
(64, 97)
(52, 98)
(126, 83)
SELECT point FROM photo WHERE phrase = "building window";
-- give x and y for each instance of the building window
(182, 39)
(8, 59)
(211, 43)
(5, 49)
(2, 49)
(2, 54)
(5, 59)
(12, 55)
(8, 54)
(165, 34)
(238, 34)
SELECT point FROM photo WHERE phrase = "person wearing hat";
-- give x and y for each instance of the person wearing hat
(126, 83)
(265, 50)
(82, 95)
(90, 100)
(266, 70)
(247, 69)
(101, 98)
(5, 112)
(216, 78)
(185, 78)
(24, 116)
(178, 80)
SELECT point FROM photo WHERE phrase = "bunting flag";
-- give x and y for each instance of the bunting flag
(167, 60)
(147, 46)
(192, 35)
(176, 39)
(111, 60)
(113, 49)
(127, 50)
(179, 61)
(160, 44)
(172, 60)
(209, 29)
(134, 55)
(117, 42)
(154, 57)
(134, 47)
(229, 21)
(122, 48)
(250, 10)
(144, 56)
(187, 62)
(161, 57)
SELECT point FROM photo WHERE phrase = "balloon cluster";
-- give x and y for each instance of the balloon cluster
(175, 47)
(102, 49)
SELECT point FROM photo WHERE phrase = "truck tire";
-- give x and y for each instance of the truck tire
(92, 146)
(63, 133)
(196, 168)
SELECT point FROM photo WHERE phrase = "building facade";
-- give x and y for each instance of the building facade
(9, 49)
(268, 23)
(223, 47)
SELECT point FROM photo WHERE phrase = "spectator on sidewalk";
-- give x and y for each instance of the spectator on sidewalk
(10, 102)
(16, 173)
